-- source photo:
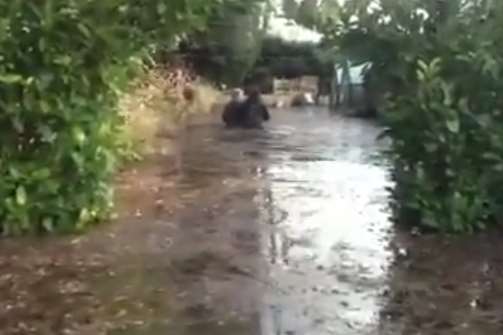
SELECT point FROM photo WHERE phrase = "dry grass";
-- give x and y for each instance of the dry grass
(154, 107)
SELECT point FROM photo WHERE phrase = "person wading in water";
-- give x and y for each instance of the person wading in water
(248, 114)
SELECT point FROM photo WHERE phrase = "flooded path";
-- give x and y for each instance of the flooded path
(303, 205)
(329, 248)
(278, 232)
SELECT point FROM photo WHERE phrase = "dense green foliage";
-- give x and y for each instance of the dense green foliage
(235, 49)
(287, 59)
(227, 50)
(438, 64)
(62, 63)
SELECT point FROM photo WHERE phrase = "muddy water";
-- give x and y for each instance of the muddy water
(287, 231)
(284, 231)
(328, 244)
(306, 202)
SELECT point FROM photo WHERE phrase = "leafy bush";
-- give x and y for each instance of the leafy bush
(439, 64)
(62, 64)
(446, 158)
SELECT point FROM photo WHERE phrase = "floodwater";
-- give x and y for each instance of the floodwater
(284, 231)
(317, 208)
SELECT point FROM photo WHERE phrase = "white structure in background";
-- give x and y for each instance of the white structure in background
(355, 74)
(350, 84)
(289, 30)
(352, 92)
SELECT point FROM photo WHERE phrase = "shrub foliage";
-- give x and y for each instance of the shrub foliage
(62, 64)
(439, 64)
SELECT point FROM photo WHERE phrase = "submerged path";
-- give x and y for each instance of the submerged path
(300, 233)
(278, 232)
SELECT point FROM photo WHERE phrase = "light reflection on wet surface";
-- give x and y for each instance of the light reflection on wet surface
(322, 215)
(287, 232)
(329, 248)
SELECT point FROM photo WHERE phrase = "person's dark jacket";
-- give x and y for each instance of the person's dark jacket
(252, 113)
(230, 114)
(248, 114)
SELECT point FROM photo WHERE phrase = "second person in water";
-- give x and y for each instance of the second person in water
(249, 114)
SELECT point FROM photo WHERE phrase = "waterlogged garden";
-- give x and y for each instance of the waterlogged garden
(126, 207)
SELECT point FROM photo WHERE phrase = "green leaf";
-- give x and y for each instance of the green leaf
(453, 124)
(48, 136)
(84, 30)
(21, 196)
(161, 8)
(14, 172)
(463, 105)
(78, 135)
(48, 224)
(11, 79)
(63, 60)
(84, 215)
(42, 173)
(44, 107)
(435, 64)
(78, 159)
(422, 65)
(420, 75)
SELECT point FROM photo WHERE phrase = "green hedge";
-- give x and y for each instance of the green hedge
(440, 66)
(62, 64)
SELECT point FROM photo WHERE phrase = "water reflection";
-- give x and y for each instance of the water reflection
(330, 249)
(285, 229)
(287, 232)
